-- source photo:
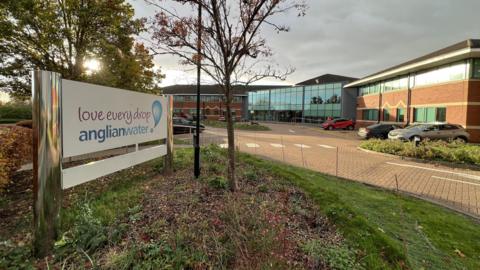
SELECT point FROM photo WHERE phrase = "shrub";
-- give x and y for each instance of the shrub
(336, 256)
(16, 149)
(251, 175)
(16, 111)
(218, 182)
(430, 150)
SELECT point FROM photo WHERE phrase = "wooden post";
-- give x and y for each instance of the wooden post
(47, 159)
(169, 142)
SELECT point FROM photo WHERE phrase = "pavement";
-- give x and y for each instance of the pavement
(337, 153)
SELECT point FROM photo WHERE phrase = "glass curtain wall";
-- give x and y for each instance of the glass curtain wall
(319, 102)
(322, 102)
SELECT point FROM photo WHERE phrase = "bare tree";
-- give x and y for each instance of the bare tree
(233, 52)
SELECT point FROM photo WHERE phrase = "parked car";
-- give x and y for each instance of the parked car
(182, 126)
(221, 118)
(339, 123)
(436, 131)
(380, 131)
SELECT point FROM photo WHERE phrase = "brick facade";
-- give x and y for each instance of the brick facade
(461, 100)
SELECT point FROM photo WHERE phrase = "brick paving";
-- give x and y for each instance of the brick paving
(458, 188)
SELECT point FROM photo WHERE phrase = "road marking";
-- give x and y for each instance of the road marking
(252, 145)
(458, 181)
(469, 176)
(291, 131)
(326, 146)
(302, 145)
(276, 145)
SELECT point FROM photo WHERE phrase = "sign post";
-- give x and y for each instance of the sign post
(47, 159)
(75, 119)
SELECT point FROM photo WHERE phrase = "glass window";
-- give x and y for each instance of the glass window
(453, 72)
(386, 114)
(400, 115)
(419, 115)
(431, 114)
(371, 114)
(441, 114)
(476, 69)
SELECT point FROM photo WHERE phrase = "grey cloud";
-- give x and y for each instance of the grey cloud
(359, 37)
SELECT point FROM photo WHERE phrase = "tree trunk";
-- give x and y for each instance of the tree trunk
(231, 140)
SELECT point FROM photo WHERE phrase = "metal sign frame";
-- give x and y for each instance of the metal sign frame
(49, 178)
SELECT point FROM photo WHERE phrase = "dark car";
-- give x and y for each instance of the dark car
(377, 131)
(182, 126)
(339, 123)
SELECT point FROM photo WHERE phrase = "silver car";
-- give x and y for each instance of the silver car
(437, 131)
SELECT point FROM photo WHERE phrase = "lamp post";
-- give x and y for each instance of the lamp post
(197, 129)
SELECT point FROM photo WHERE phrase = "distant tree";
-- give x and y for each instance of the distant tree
(59, 35)
(233, 51)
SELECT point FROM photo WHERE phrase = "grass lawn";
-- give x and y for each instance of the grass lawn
(283, 217)
(238, 125)
(428, 150)
(392, 231)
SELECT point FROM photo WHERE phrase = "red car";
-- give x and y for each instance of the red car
(339, 123)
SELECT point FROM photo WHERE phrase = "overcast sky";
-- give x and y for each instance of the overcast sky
(354, 37)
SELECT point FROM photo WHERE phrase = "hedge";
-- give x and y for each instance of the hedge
(428, 150)
(15, 111)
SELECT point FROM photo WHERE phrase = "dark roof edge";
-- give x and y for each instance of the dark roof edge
(326, 78)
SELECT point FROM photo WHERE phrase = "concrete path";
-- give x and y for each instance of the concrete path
(337, 153)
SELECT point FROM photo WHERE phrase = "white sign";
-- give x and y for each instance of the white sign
(96, 118)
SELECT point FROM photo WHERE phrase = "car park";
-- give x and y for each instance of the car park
(339, 123)
(182, 126)
(435, 131)
(379, 131)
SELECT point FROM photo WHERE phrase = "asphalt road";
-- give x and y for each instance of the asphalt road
(337, 153)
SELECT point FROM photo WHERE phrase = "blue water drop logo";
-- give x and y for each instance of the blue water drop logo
(157, 111)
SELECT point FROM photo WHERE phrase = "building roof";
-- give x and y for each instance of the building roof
(191, 89)
(459, 51)
(327, 78)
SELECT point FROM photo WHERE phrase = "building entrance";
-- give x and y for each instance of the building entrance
(286, 116)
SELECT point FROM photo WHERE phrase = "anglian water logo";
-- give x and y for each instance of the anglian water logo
(135, 122)
(157, 112)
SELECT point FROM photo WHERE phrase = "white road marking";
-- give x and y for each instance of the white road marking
(291, 131)
(464, 175)
(302, 145)
(276, 145)
(326, 146)
(223, 145)
(252, 145)
(458, 181)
